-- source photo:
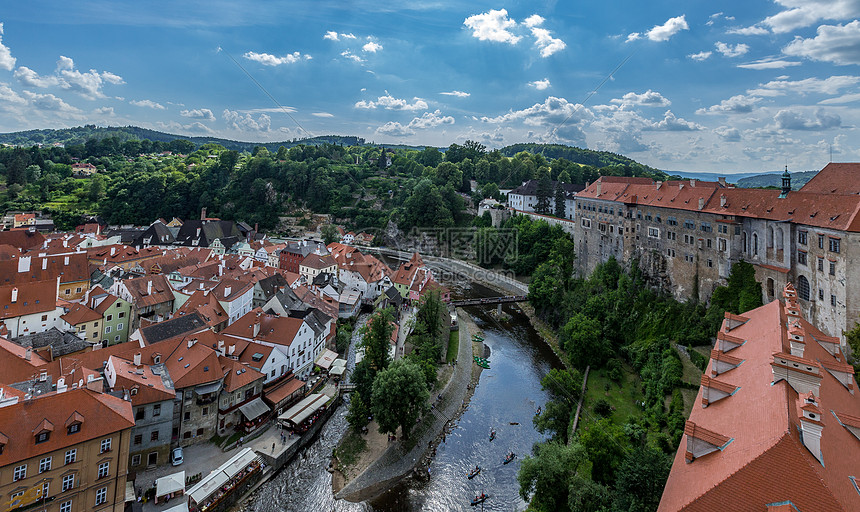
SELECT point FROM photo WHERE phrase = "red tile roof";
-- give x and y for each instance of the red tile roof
(78, 314)
(35, 297)
(145, 295)
(271, 328)
(148, 387)
(767, 462)
(22, 238)
(237, 375)
(835, 178)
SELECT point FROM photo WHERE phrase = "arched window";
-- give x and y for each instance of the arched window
(770, 287)
(755, 244)
(803, 288)
(770, 237)
(746, 242)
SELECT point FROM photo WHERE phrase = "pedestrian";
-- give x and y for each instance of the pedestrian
(241, 440)
(273, 447)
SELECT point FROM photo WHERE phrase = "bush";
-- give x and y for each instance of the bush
(603, 408)
(614, 370)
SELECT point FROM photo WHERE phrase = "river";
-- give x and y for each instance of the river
(508, 392)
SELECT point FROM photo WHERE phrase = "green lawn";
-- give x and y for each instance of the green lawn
(453, 345)
(350, 448)
(621, 396)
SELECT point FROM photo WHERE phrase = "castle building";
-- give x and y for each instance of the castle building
(686, 235)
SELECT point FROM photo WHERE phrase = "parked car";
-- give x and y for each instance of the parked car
(176, 456)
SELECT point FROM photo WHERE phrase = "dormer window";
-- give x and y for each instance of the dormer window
(74, 428)
(41, 437)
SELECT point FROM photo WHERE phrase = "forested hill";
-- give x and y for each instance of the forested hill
(577, 155)
(798, 179)
(80, 134)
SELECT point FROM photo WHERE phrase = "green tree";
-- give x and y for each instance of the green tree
(560, 206)
(605, 445)
(375, 339)
(330, 234)
(583, 341)
(546, 477)
(359, 411)
(640, 479)
(97, 188)
(399, 396)
(852, 338)
(544, 192)
(741, 293)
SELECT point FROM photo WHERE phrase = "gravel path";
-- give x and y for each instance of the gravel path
(397, 462)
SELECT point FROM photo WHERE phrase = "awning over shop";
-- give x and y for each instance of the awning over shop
(326, 358)
(304, 409)
(170, 484)
(205, 389)
(218, 477)
(182, 507)
(337, 371)
(254, 409)
(338, 362)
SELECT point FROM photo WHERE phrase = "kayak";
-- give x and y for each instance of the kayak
(479, 500)
(492, 435)
(474, 473)
(510, 458)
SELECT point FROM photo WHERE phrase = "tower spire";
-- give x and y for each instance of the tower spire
(786, 183)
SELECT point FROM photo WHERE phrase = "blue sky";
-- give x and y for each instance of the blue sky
(724, 87)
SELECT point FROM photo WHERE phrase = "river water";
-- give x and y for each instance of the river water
(509, 392)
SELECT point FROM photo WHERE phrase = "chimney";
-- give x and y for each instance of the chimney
(231, 349)
(599, 183)
(692, 182)
(257, 326)
(191, 342)
(701, 201)
(28, 353)
(227, 291)
(202, 216)
(45, 263)
(659, 184)
(61, 385)
(811, 425)
(221, 347)
(149, 287)
(137, 359)
(24, 264)
(113, 251)
(15, 296)
(66, 261)
(65, 243)
(722, 200)
(722, 180)
(198, 231)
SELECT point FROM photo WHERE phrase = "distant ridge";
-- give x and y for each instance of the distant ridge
(577, 155)
(80, 134)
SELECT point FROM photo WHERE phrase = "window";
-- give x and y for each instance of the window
(121, 314)
(19, 473)
(709, 243)
(105, 445)
(801, 237)
(153, 436)
(821, 241)
(107, 329)
(138, 438)
(74, 427)
(834, 244)
(104, 469)
(101, 496)
(109, 318)
(116, 338)
(706, 227)
(66, 506)
(710, 262)
(586, 223)
(139, 415)
(68, 482)
(78, 290)
(119, 326)
(832, 268)
(833, 300)
(803, 287)
(135, 460)
(670, 253)
(721, 244)
(821, 294)
(653, 233)
(44, 318)
(801, 258)
(45, 464)
(672, 221)
(156, 410)
(821, 264)
(46, 487)
(689, 224)
(71, 455)
(205, 411)
(187, 416)
(41, 437)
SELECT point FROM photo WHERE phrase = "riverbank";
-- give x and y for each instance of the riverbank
(401, 458)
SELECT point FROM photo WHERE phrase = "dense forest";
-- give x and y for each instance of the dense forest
(362, 186)
(644, 353)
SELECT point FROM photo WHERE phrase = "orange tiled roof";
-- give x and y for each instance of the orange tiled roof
(78, 314)
(34, 297)
(272, 328)
(237, 375)
(148, 386)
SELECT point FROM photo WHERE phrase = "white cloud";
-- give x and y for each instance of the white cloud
(246, 123)
(534, 20)
(394, 129)
(331, 35)
(648, 98)
(674, 124)
(847, 98)
(728, 134)
(104, 111)
(560, 118)
(198, 113)
(540, 85)
(459, 94)
(430, 120)
(547, 44)
(389, 102)
(667, 30)
(322, 114)
(788, 120)
(148, 104)
(839, 44)
(348, 36)
(739, 104)
(349, 55)
(633, 36)
(7, 61)
(716, 16)
(804, 13)
(754, 30)
(268, 59)
(371, 47)
(49, 102)
(89, 84)
(831, 86)
(10, 97)
(268, 110)
(731, 51)
(699, 56)
(769, 63)
(493, 26)
(195, 127)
